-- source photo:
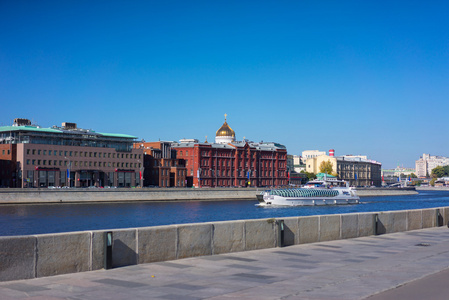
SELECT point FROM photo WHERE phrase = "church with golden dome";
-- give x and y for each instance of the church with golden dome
(225, 134)
(232, 163)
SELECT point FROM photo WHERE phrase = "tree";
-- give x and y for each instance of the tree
(310, 176)
(417, 183)
(412, 175)
(326, 167)
(438, 172)
(446, 170)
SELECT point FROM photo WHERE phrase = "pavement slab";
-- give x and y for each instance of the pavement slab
(407, 265)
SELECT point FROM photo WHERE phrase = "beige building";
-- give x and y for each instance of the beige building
(355, 170)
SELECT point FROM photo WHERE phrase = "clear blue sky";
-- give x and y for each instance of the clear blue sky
(362, 77)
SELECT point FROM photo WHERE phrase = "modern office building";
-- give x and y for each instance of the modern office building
(68, 156)
(426, 163)
(162, 168)
(231, 163)
(356, 170)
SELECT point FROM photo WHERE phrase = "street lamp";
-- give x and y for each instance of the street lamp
(141, 173)
(68, 171)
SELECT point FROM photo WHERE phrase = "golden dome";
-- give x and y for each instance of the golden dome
(225, 130)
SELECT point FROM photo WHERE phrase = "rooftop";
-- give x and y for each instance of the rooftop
(59, 130)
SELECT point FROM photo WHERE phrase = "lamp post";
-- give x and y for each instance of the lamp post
(141, 173)
(68, 171)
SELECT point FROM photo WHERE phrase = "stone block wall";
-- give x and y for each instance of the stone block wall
(25, 257)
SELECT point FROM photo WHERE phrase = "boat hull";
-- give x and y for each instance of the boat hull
(275, 200)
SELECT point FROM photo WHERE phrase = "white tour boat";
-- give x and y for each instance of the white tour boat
(317, 192)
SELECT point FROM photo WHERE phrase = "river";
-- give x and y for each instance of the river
(26, 219)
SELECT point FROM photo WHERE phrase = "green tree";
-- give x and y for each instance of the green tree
(438, 172)
(326, 167)
(446, 170)
(417, 183)
(310, 176)
(412, 175)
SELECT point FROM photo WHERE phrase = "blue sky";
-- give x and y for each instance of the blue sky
(360, 77)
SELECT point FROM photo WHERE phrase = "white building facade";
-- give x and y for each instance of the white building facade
(307, 154)
(426, 163)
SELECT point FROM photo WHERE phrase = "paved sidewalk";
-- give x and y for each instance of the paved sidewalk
(378, 267)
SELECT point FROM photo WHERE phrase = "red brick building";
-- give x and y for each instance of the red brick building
(161, 166)
(230, 163)
(8, 166)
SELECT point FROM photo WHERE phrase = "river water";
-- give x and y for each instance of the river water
(51, 218)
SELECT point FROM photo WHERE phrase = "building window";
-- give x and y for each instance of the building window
(28, 161)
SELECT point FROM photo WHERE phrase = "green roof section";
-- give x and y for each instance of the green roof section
(59, 131)
(320, 176)
(119, 135)
(29, 128)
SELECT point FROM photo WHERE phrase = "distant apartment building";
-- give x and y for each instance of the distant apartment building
(67, 156)
(231, 163)
(355, 170)
(162, 168)
(426, 163)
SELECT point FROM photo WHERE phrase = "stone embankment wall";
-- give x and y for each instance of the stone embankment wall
(35, 196)
(432, 188)
(24, 257)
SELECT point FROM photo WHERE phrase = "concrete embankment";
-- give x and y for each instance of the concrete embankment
(36, 196)
(372, 192)
(24, 257)
(432, 188)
